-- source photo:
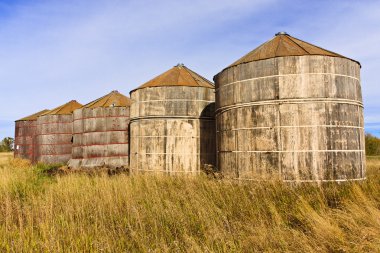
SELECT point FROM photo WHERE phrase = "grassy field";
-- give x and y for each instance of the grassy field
(145, 213)
(5, 156)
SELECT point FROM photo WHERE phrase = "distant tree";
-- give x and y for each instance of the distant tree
(372, 145)
(6, 144)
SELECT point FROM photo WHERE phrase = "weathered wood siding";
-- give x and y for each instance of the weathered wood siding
(101, 137)
(25, 139)
(172, 129)
(298, 118)
(54, 136)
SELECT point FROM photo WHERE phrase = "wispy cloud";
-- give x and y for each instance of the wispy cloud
(55, 51)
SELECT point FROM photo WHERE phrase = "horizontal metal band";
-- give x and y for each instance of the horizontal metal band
(303, 181)
(107, 131)
(97, 157)
(289, 151)
(289, 101)
(54, 134)
(53, 144)
(273, 127)
(103, 117)
(162, 136)
(121, 143)
(174, 100)
(23, 136)
(48, 123)
(65, 154)
(171, 153)
(285, 75)
(168, 171)
(326, 180)
(171, 118)
(19, 127)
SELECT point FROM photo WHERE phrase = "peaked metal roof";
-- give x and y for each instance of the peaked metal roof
(67, 108)
(179, 75)
(33, 116)
(114, 98)
(284, 45)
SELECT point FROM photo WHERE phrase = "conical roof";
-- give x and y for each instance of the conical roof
(284, 45)
(113, 98)
(67, 108)
(33, 116)
(178, 76)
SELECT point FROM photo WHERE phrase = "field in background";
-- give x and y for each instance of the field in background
(5, 156)
(82, 213)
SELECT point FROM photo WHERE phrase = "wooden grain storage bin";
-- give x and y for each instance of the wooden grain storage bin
(101, 133)
(25, 137)
(172, 123)
(55, 133)
(291, 110)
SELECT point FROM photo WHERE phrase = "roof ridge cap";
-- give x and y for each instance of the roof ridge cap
(188, 71)
(192, 73)
(324, 49)
(291, 38)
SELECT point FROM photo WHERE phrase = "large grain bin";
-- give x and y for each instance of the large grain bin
(172, 123)
(55, 133)
(293, 110)
(25, 136)
(101, 133)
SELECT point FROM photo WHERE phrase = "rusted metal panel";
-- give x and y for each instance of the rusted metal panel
(299, 118)
(25, 136)
(101, 133)
(101, 137)
(112, 99)
(64, 109)
(283, 45)
(172, 127)
(55, 133)
(179, 75)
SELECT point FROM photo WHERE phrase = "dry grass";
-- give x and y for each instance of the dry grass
(5, 157)
(81, 213)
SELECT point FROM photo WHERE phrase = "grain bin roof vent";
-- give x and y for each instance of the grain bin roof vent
(33, 116)
(179, 75)
(281, 33)
(112, 99)
(67, 108)
(284, 45)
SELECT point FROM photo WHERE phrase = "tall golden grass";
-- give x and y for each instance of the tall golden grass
(146, 213)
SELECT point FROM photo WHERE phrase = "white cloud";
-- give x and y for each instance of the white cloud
(55, 51)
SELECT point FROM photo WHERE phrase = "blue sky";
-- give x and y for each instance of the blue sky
(54, 51)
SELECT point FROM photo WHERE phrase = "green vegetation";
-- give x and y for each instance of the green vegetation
(372, 145)
(6, 145)
(141, 213)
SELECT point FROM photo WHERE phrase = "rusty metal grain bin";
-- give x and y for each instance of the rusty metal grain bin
(172, 123)
(101, 133)
(25, 136)
(54, 134)
(292, 110)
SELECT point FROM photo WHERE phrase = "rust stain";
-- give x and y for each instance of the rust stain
(33, 116)
(179, 75)
(67, 108)
(284, 45)
(113, 98)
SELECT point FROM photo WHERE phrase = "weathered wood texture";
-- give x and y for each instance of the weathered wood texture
(54, 138)
(25, 139)
(172, 129)
(101, 137)
(297, 117)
